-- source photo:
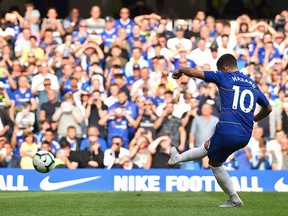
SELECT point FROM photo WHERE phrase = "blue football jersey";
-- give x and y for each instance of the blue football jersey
(109, 37)
(239, 95)
(19, 98)
(128, 25)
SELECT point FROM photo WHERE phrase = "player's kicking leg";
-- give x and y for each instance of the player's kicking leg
(189, 155)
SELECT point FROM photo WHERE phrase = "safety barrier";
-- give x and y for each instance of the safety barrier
(139, 180)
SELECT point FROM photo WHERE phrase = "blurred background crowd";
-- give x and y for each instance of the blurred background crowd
(97, 91)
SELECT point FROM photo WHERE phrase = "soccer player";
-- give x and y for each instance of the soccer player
(239, 95)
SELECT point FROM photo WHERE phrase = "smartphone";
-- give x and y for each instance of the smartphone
(4, 152)
(2, 74)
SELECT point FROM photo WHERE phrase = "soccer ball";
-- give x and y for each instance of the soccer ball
(43, 161)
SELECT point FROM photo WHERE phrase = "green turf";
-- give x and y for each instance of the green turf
(137, 203)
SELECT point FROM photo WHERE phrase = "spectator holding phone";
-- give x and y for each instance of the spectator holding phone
(44, 73)
(80, 36)
(95, 110)
(93, 136)
(138, 147)
(263, 160)
(51, 22)
(25, 118)
(147, 117)
(21, 95)
(5, 101)
(118, 122)
(167, 123)
(71, 22)
(91, 157)
(7, 159)
(68, 115)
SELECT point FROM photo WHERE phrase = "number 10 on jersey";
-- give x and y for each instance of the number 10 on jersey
(239, 97)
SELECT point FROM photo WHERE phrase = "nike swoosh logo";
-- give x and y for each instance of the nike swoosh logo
(280, 186)
(45, 159)
(46, 185)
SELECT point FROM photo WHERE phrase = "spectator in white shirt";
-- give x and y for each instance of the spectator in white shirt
(37, 81)
(113, 155)
(224, 49)
(201, 55)
(23, 43)
(179, 41)
(113, 98)
(33, 16)
(95, 23)
(6, 32)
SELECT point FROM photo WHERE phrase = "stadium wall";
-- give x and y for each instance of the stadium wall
(138, 180)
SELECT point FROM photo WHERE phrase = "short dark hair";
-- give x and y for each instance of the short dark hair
(64, 143)
(122, 92)
(136, 48)
(96, 91)
(92, 126)
(45, 143)
(113, 84)
(227, 60)
(117, 137)
(49, 130)
(32, 36)
(168, 92)
(118, 76)
(49, 30)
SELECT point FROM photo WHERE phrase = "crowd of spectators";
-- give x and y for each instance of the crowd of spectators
(97, 92)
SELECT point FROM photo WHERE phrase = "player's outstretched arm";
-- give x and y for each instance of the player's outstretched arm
(190, 72)
(263, 113)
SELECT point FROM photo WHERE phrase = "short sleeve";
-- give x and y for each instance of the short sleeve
(13, 97)
(213, 76)
(193, 127)
(262, 100)
(32, 96)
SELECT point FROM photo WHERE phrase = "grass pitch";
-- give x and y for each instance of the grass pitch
(137, 203)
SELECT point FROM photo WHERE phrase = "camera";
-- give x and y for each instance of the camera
(281, 20)
(118, 111)
(184, 86)
(23, 126)
(3, 151)
(92, 143)
(244, 46)
(66, 107)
